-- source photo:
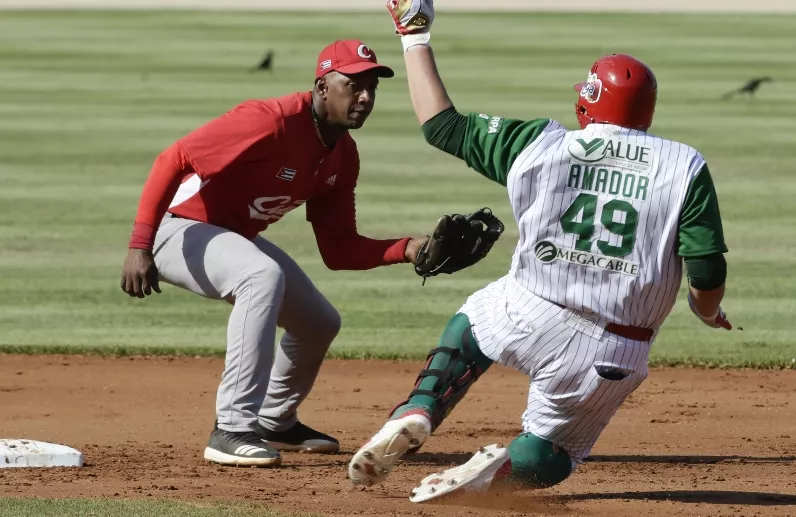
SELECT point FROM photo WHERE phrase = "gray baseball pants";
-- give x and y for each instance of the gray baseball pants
(267, 288)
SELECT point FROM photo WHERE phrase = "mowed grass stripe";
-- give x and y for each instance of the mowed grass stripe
(88, 99)
(33, 507)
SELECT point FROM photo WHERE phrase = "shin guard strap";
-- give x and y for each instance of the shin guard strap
(453, 366)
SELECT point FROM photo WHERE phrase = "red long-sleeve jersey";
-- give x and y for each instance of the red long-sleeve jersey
(247, 168)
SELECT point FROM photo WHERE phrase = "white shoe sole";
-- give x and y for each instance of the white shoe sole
(322, 447)
(375, 460)
(239, 461)
(474, 476)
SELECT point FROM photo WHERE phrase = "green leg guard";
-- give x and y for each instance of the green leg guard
(536, 463)
(451, 368)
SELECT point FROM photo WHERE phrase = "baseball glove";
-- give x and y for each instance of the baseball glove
(458, 242)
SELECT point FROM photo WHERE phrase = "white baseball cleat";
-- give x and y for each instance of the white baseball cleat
(375, 460)
(474, 476)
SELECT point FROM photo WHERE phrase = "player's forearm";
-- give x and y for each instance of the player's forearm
(356, 252)
(707, 303)
(706, 277)
(161, 186)
(425, 85)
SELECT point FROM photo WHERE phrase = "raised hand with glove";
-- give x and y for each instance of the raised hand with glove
(412, 20)
(411, 16)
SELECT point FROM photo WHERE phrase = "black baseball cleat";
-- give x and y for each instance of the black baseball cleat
(299, 438)
(240, 450)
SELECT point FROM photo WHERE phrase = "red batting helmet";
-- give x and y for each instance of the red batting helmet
(620, 90)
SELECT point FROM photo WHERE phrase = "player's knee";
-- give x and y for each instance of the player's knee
(266, 280)
(328, 326)
(324, 327)
(537, 463)
(458, 335)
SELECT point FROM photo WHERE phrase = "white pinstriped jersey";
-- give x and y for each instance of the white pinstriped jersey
(598, 212)
(605, 216)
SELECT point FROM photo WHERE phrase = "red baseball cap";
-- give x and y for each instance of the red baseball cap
(349, 57)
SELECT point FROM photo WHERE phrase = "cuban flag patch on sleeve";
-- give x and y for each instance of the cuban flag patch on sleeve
(286, 174)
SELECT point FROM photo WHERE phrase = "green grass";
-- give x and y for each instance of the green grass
(148, 508)
(88, 99)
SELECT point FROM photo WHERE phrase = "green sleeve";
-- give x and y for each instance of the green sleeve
(706, 273)
(445, 131)
(700, 232)
(487, 144)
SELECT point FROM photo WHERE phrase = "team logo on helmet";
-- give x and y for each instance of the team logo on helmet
(592, 89)
(545, 251)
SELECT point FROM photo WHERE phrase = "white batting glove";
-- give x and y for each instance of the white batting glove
(716, 321)
(411, 16)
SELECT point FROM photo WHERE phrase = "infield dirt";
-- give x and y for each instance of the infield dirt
(689, 442)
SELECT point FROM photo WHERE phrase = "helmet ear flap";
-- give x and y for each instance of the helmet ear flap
(582, 114)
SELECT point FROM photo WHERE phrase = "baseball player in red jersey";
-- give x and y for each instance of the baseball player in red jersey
(208, 197)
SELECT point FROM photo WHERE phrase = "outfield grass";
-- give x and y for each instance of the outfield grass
(143, 508)
(88, 99)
